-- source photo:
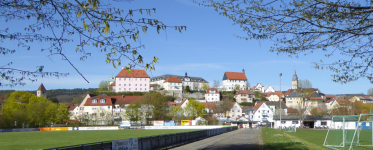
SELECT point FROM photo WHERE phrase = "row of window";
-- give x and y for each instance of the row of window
(212, 95)
(129, 79)
(94, 114)
(130, 89)
(236, 80)
(102, 100)
(130, 84)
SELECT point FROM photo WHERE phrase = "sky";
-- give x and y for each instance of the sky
(207, 49)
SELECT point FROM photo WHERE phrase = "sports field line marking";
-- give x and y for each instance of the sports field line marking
(309, 145)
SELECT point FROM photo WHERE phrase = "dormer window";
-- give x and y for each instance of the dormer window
(102, 100)
(94, 101)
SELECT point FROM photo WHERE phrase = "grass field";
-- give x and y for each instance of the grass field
(302, 139)
(51, 139)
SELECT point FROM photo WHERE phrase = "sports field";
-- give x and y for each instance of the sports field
(51, 139)
(302, 139)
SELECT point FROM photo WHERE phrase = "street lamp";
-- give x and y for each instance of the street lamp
(280, 102)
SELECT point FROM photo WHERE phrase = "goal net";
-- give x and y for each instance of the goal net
(290, 129)
(350, 132)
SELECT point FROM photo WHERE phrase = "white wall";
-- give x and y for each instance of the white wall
(287, 123)
(228, 85)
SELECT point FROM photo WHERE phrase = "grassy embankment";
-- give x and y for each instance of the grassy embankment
(51, 139)
(302, 139)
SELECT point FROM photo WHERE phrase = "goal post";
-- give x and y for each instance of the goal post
(350, 132)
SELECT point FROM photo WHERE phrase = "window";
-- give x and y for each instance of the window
(290, 102)
(267, 111)
(117, 106)
(108, 107)
(145, 89)
(283, 122)
(135, 79)
(124, 79)
(145, 85)
(140, 89)
(135, 89)
(232, 115)
(119, 79)
(232, 110)
(129, 79)
(117, 114)
(140, 79)
(238, 110)
(212, 98)
(124, 88)
(120, 85)
(323, 123)
(145, 79)
(81, 108)
(140, 84)
(129, 88)
(102, 107)
(94, 100)
(129, 84)
(258, 116)
(135, 84)
(93, 114)
(102, 114)
(93, 108)
(102, 100)
(295, 122)
(120, 89)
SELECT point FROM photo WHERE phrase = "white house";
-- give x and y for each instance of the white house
(275, 97)
(194, 83)
(41, 92)
(262, 113)
(331, 104)
(258, 87)
(212, 95)
(270, 89)
(236, 111)
(173, 84)
(244, 96)
(233, 79)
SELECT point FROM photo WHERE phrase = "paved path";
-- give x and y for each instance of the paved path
(235, 140)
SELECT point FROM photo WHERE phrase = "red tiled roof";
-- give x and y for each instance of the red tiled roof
(316, 98)
(71, 108)
(133, 73)
(210, 106)
(330, 96)
(257, 106)
(212, 89)
(172, 103)
(182, 102)
(172, 79)
(113, 84)
(41, 88)
(243, 92)
(108, 101)
(236, 75)
(291, 110)
(123, 100)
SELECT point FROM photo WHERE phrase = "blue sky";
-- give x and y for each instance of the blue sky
(206, 49)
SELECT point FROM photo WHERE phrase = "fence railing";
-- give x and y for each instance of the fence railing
(165, 141)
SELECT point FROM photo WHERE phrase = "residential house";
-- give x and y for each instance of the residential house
(258, 87)
(133, 81)
(363, 99)
(270, 89)
(212, 95)
(310, 121)
(294, 100)
(173, 84)
(261, 113)
(331, 104)
(194, 83)
(231, 79)
(236, 111)
(244, 96)
(275, 97)
(275, 106)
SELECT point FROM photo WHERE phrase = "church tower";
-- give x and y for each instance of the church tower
(294, 83)
(41, 91)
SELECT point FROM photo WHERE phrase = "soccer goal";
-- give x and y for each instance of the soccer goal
(290, 129)
(350, 132)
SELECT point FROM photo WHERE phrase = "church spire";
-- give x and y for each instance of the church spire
(295, 77)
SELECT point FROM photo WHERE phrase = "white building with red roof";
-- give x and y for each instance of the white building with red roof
(233, 79)
(132, 81)
(212, 95)
(244, 96)
(41, 92)
(261, 113)
(173, 84)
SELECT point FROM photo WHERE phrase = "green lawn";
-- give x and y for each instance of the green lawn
(302, 139)
(51, 139)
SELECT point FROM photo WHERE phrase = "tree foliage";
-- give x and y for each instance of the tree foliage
(24, 109)
(104, 86)
(339, 30)
(194, 109)
(216, 83)
(205, 86)
(304, 84)
(133, 111)
(92, 24)
(176, 113)
(158, 105)
(370, 92)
